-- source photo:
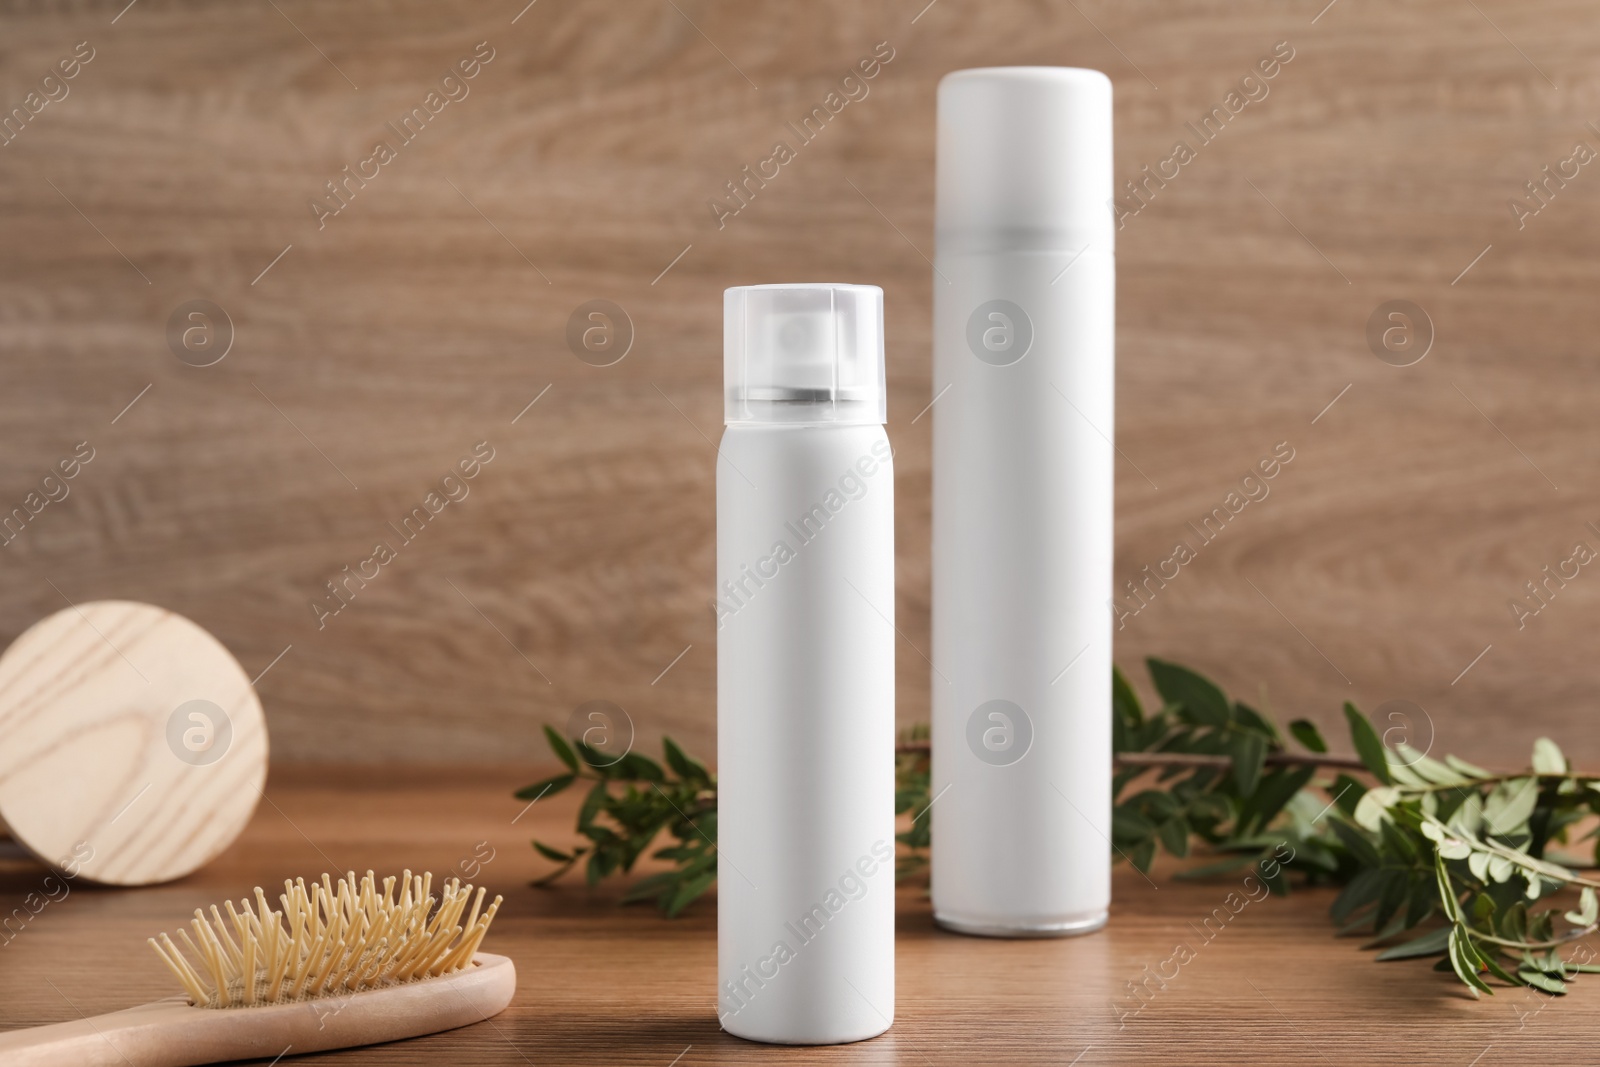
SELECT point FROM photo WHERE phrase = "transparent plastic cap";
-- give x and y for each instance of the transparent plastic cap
(809, 353)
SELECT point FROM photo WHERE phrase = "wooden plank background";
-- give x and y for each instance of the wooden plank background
(371, 353)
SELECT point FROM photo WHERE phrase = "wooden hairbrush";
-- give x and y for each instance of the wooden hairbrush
(342, 964)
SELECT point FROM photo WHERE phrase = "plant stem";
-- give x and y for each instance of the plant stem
(1496, 779)
(1195, 759)
(1278, 759)
(1571, 935)
(1543, 868)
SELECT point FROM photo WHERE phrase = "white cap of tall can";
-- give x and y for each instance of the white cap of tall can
(1024, 158)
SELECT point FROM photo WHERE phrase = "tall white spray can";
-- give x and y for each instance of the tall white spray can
(805, 668)
(1022, 508)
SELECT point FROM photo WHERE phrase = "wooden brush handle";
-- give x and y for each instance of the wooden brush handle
(173, 1033)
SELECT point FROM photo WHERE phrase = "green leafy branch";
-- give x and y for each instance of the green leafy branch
(1438, 858)
(1434, 858)
(633, 799)
(1486, 837)
(913, 775)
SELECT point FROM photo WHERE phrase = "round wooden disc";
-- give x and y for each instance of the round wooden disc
(132, 745)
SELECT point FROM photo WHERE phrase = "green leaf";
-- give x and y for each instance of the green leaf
(1478, 864)
(1305, 731)
(1249, 754)
(1358, 844)
(548, 787)
(1547, 757)
(1278, 881)
(684, 766)
(1513, 921)
(1471, 770)
(592, 803)
(1154, 804)
(1432, 943)
(1175, 836)
(602, 861)
(1392, 904)
(1211, 807)
(1539, 980)
(564, 867)
(1430, 771)
(1373, 807)
(1401, 774)
(1488, 960)
(1124, 701)
(559, 746)
(1588, 909)
(688, 892)
(1463, 963)
(1467, 819)
(1347, 793)
(1129, 827)
(554, 854)
(1197, 695)
(1270, 795)
(1400, 842)
(635, 767)
(1253, 720)
(1447, 891)
(1368, 745)
(1509, 805)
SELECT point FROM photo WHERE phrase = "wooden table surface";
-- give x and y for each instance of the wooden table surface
(603, 984)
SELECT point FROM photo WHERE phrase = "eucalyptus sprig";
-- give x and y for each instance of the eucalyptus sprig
(1487, 838)
(1443, 851)
(1434, 857)
(633, 799)
(913, 771)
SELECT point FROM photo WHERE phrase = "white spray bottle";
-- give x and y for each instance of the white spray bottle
(805, 669)
(1022, 520)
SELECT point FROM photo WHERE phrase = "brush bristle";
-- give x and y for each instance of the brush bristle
(330, 939)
